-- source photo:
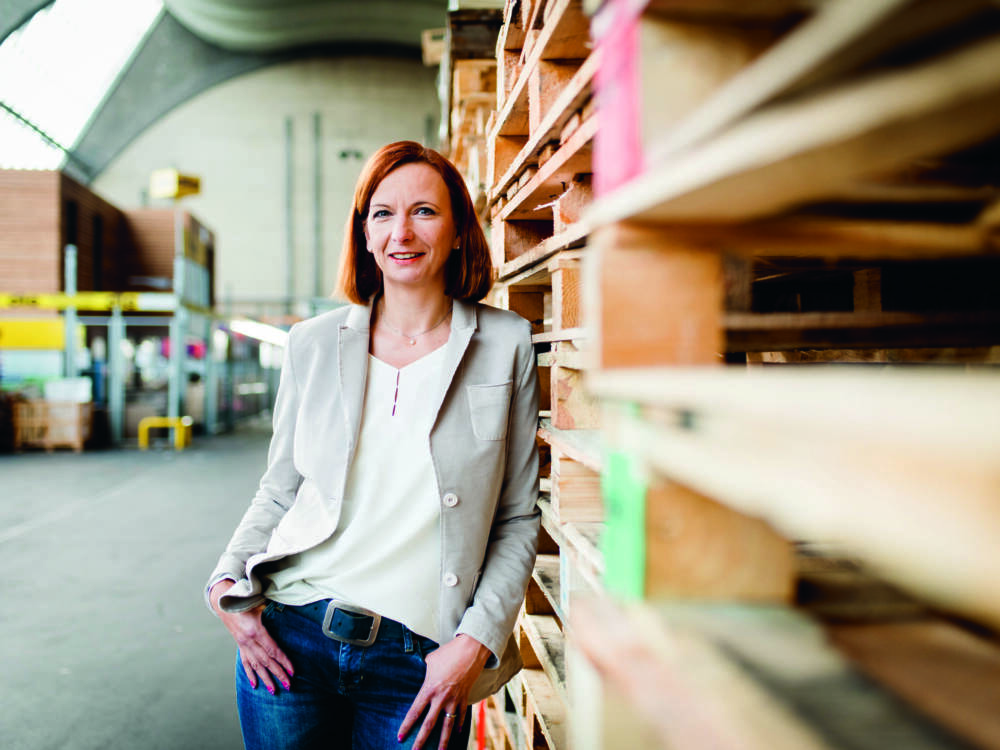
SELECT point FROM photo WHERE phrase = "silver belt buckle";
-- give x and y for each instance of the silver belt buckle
(336, 604)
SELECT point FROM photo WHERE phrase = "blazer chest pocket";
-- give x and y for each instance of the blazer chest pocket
(488, 407)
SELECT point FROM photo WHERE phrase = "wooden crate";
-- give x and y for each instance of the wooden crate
(51, 424)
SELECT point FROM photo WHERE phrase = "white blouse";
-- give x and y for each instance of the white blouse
(385, 554)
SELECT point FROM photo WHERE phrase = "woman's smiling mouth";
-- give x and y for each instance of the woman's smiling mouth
(404, 256)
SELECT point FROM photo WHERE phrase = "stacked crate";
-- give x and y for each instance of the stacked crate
(800, 557)
(755, 556)
(539, 150)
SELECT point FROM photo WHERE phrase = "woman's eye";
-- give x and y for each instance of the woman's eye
(380, 213)
(425, 211)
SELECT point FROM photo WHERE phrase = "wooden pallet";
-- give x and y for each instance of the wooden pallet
(51, 424)
(726, 676)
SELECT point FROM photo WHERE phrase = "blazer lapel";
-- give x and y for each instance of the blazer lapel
(353, 367)
(463, 325)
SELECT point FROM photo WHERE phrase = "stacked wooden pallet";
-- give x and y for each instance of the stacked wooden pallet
(811, 550)
(538, 147)
(738, 557)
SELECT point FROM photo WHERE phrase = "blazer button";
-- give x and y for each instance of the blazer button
(450, 500)
(450, 579)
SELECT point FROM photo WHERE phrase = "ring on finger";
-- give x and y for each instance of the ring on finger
(450, 716)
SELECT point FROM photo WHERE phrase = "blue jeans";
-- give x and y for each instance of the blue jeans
(343, 696)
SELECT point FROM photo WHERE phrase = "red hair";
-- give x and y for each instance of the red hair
(468, 271)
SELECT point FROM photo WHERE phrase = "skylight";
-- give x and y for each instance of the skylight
(55, 71)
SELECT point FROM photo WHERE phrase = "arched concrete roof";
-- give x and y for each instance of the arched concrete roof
(14, 13)
(270, 25)
(200, 43)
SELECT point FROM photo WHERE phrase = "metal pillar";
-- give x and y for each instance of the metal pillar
(317, 209)
(116, 375)
(178, 324)
(211, 381)
(69, 317)
(289, 218)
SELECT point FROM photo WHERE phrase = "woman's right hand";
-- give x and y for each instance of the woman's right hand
(262, 659)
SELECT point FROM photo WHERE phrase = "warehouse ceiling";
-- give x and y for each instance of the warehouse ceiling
(167, 52)
(271, 25)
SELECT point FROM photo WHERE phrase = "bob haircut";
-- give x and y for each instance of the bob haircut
(468, 271)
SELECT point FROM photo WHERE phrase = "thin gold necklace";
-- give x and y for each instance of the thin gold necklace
(412, 338)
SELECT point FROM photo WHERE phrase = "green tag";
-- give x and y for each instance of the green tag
(624, 540)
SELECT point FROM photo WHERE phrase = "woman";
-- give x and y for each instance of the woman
(373, 584)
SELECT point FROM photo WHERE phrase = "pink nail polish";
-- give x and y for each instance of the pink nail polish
(270, 690)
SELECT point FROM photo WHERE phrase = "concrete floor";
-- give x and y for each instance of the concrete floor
(104, 640)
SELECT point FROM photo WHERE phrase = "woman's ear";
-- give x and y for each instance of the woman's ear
(364, 228)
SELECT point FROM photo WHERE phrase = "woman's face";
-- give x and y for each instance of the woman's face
(410, 229)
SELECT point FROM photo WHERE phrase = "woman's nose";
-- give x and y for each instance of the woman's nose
(401, 229)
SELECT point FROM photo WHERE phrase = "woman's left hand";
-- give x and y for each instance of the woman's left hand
(451, 671)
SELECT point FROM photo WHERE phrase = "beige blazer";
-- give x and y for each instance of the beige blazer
(484, 454)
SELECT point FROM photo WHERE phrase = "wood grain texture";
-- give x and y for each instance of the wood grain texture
(949, 674)
(681, 323)
(697, 547)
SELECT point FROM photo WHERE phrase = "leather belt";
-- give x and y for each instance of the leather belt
(348, 623)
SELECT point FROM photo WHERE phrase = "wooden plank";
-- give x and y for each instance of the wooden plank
(697, 547)
(583, 446)
(545, 708)
(560, 38)
(528, 302)
(546, 82)
(570, 205)
(946, 672)
(535, 600)
(550, 523)
(569, 238)
(583, 543)
(747, 332)
(511, 239)
(939, 410)
(567, 334)
(573, 360)
(653, 74)
(502, 152)
(546, 577)
(566, 294)
(983, 355)
(568, 31)
(915, 452)
(840, 37)
(569, 101)
(534, 200)
(665, 686)
(681, 324)
(576, 491)
(547, 640)
(572, 407)
(744, 677)
(882, 123)
(810, 237)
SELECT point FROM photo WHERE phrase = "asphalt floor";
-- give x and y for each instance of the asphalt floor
(105, 641)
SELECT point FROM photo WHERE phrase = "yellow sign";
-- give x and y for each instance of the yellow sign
(127, 301)
(35, 334)
(169, 183)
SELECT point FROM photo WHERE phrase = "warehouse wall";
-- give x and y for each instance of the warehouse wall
(233, 137)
